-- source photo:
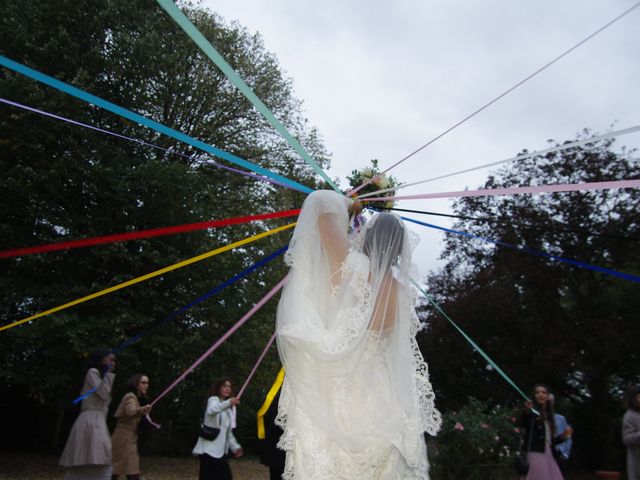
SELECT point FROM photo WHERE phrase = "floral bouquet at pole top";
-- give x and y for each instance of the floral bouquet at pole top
(378, 181)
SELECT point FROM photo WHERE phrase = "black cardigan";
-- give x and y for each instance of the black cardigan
(528, 420)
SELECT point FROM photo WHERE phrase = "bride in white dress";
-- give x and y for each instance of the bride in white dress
(356, 398)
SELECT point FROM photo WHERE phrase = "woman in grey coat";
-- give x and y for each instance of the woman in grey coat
(631, 432)
(87, 453)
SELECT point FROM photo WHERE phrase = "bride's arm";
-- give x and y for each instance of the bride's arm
(330, 213)
(334, 239)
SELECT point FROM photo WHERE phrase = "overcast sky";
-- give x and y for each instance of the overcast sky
(381, 78)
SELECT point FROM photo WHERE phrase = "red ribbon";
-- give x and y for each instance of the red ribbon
(154, 232)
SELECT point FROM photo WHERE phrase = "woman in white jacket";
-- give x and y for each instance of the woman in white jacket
(219, 414)
(631, 432)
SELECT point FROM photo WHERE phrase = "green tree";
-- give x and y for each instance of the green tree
(544, 320)
(63, 182)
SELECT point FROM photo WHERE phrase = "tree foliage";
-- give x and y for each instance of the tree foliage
(542, 320)
(63, 182)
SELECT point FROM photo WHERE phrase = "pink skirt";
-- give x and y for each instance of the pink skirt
(542, 466)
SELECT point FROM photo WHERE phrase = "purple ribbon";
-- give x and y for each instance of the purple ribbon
(141, 142)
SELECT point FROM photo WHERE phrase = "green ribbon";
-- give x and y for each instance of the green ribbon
(222, 64)
(471, 342)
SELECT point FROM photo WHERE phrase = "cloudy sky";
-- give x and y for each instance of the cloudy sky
(381, 78)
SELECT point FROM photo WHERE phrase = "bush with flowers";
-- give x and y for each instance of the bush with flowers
(379, 181)
(475, 442)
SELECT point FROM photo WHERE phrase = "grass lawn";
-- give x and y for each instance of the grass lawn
(41, 467)
(45, 467)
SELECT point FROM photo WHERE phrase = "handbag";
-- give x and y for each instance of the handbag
(208, 433)
(521, 462)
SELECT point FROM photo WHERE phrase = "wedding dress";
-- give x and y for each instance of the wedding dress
(356, 398)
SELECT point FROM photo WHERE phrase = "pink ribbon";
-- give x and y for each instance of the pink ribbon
(255, 367)
(222, 339)
(157, 425)
(570, 187)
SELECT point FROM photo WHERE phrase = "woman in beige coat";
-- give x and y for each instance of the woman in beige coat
(124, 441)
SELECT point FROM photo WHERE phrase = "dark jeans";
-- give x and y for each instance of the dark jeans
(214, 468)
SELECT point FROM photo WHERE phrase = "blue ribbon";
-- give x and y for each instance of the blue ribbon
(180, 311)
(158, 127)
(538, 253)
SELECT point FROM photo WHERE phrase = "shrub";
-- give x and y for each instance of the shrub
(476, 442)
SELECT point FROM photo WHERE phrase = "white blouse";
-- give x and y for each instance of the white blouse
(218, 415)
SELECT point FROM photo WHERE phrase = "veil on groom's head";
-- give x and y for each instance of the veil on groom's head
(384, 241)
(387, 232)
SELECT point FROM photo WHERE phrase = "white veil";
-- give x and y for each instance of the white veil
(346, 327)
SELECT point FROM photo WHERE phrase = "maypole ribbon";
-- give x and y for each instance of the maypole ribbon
(200, 299)
(142, 142)
(255, 367)
(222, 339)
(538, 253)
(148, 276)
(472, 343)
(140, 234)
(207, 47)
(273, 391)
(503, 94)
(537, 153)
(522, 224)
(490, 192)
(152, 124)
(175, 313)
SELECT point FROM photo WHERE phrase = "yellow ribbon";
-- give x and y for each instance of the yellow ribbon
(267, 403)
(170, 268)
